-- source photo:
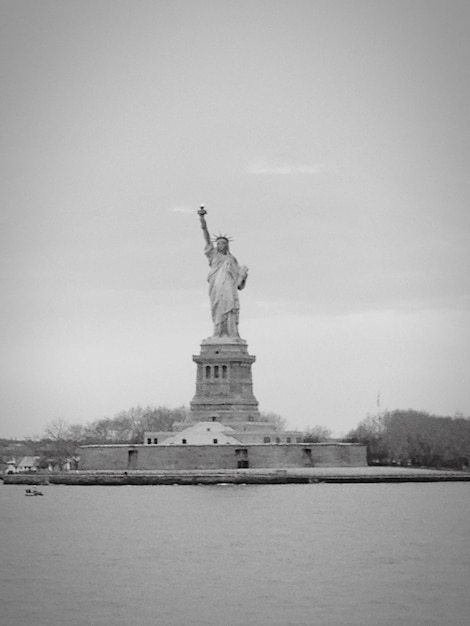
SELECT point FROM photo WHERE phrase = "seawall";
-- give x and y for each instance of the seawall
(242, 476)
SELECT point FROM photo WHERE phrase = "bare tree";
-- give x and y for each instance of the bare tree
(317, 434)
(57, 430)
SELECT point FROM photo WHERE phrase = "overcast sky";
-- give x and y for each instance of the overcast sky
(330, 139)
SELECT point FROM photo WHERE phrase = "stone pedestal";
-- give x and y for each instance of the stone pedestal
(224, 384)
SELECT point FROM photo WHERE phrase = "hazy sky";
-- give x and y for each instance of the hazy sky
(330, 139)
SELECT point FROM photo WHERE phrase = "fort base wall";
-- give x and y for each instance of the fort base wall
(254, 456)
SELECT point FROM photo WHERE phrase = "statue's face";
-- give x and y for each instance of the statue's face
(222, 245)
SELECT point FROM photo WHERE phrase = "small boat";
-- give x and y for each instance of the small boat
(33, 492)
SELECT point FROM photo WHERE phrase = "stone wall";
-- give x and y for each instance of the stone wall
(187, 457)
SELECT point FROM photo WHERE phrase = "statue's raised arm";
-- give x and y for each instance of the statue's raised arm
(226, 278)
(202, 212)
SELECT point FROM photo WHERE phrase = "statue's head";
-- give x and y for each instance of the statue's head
(222, 244)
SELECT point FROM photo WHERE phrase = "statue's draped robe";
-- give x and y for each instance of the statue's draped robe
(225, 278)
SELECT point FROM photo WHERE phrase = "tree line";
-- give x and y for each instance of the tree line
(410, 438)
(415, 438)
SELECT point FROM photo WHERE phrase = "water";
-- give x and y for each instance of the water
(365, 555)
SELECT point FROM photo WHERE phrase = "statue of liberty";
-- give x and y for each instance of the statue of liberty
(225, 278)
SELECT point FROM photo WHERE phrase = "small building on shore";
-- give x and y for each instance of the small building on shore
(28, 464)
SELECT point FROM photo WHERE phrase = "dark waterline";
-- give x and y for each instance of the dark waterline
(365, 555)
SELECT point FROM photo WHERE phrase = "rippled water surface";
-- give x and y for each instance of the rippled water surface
(365, 555)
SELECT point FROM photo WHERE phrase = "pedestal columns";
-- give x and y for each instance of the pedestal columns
(224, 384)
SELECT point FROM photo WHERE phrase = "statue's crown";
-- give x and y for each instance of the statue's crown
(221, 236)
